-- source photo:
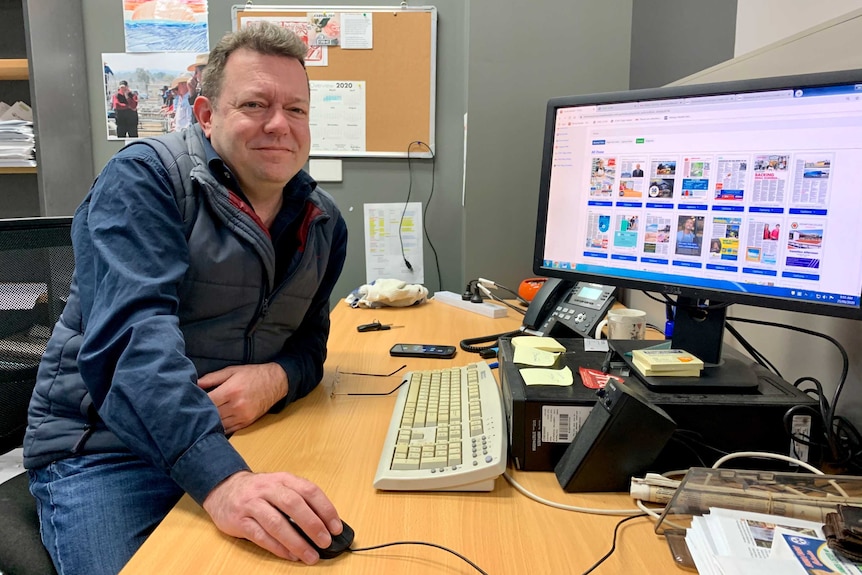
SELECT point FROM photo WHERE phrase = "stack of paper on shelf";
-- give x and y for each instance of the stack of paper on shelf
(667, 362)
(17, 141)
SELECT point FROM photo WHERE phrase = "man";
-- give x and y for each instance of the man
(182, 108)
(195, 310)
(637, 172)
(197, 70)
(125, 106)
(687, 234)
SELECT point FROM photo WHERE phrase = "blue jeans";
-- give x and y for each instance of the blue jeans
(96, 510)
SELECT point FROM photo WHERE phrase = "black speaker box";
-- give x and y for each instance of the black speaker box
(621, 438)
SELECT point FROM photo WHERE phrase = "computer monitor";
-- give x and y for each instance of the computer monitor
(737, 192)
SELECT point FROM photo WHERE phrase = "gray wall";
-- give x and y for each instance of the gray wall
(518, 59)
(675, 38)
(58, 87)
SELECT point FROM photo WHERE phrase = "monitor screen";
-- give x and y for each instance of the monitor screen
(739, 192)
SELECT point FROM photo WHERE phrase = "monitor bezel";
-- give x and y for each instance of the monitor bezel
(671, 92)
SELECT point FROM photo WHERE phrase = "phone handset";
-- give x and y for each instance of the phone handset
(544, 302)
(564, 308)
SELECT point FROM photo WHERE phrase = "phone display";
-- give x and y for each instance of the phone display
(422, 350)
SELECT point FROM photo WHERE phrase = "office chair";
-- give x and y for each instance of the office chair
(36, 265)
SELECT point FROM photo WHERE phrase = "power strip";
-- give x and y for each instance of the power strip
(487, 309)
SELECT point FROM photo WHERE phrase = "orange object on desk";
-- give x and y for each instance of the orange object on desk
(530, 287)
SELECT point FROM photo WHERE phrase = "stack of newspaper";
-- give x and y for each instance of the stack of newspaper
(726, 542)
(17, 141)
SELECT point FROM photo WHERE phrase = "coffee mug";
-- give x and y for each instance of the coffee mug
(623, 324)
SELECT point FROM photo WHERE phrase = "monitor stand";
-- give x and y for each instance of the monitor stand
(698, 329)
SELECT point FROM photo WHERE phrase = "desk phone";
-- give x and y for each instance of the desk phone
(562, 308)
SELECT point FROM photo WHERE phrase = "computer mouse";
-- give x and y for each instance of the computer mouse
(340, 543)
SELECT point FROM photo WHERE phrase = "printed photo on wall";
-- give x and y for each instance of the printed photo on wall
(150, 94)
(165, 25)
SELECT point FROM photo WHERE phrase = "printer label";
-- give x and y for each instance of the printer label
(560, 423)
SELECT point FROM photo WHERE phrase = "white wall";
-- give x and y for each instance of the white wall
(762, 22)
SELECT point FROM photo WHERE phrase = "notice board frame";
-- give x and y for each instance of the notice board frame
(399, 70)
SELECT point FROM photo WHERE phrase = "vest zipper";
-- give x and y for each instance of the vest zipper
(249, 337)
(264, 306)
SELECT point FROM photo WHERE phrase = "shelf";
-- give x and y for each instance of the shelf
(14, 69)
(17, 170)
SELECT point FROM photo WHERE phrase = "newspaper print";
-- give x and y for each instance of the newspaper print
(804, 244)
(731, 172)
(626, 226)
(762, 233)
(602, 177)
(657, 234)
(695, 178)
(811, 181)
(770, 178)
(724, 239)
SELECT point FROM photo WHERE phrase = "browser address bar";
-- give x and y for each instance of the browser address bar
(761, 115)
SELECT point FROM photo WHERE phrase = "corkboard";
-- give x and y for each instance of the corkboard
(399, 72)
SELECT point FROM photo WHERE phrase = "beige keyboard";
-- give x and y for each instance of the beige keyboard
(447, 432)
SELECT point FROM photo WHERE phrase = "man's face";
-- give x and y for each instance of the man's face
(182, 88)
(259, 125)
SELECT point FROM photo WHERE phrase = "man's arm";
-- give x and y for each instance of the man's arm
(144, 387)
(132, 355)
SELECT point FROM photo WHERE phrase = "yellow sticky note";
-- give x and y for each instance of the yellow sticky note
(540, 376)
(543, 343)
(532, 356)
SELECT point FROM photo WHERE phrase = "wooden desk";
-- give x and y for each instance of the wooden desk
(336, 440)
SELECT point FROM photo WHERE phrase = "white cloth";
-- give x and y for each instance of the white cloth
(387, 292)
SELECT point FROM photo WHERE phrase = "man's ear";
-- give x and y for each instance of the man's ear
(203, 109)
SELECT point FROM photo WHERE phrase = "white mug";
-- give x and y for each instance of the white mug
(623, 324)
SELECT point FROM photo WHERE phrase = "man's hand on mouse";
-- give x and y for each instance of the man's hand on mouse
(253, 506)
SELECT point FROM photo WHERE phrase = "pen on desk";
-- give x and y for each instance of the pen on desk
(606, 364)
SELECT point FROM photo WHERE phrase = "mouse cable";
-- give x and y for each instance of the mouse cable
(565, 507)
(613, 542)
(455, 553)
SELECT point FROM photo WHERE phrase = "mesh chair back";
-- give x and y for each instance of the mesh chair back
(36, 266)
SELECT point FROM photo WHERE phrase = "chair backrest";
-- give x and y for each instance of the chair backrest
(36, 266)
